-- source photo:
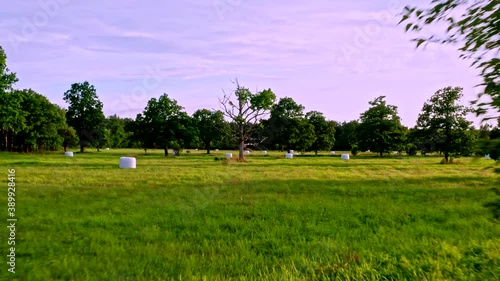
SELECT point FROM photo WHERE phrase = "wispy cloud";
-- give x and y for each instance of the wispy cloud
(331, 56)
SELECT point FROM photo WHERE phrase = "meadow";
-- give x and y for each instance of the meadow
(193, 218)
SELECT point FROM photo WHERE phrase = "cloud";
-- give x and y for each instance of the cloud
(322, 53)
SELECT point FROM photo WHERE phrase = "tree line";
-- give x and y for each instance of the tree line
(30, 122)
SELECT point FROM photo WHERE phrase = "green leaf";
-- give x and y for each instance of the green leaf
(419, 42)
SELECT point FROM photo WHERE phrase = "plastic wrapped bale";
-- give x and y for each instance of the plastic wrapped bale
(127, 163)
(487, 157)
(247, 152)
(107, 148)
(332, 152)
(229, 155)
(264, 152)
(291, 151)
(345, 156)
(68, 154)
(289, 156)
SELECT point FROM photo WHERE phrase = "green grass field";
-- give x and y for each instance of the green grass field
(193, 218)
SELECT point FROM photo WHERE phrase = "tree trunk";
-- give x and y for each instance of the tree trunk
(6, 139)
(207, 147)
(166, 150)
(446, 155)
(241, 147)
(65, 146)
(242, 143)
(381, 153)
(82, 147)
(316, 152)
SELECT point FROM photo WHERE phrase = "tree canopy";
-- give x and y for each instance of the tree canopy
(85, 113)
(477, 33)
(380, 129)
(246, 111)
(443, 123)
(210, 125)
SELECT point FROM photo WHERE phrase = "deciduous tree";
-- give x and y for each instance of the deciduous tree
(11, 115)
(324, 131)
(210, 125)
(159, 124)
(85, 113)
(380, 129)
(246, 111)
(443, 122)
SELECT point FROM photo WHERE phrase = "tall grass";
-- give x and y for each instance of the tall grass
(307, 218)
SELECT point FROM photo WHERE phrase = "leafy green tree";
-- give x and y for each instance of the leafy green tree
(484, 131)
(85, 113)
(42, 123)
(141, 133)
(380, 129)
(443, 122)
(69, 136)
(186, 131)
(323, 130)
(344, 135)
(209, 124)
(277, 129)
(159, 124)
(11, 115)
(115, 134)
(476, 30)
(7, 78)
(412, 141)
(495, 132)
(246, 111)
(302, 135)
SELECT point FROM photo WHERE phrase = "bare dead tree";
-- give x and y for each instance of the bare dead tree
(246, 111)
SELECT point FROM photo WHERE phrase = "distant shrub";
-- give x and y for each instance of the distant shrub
(354, 150)
(451, 161)
(411, 149)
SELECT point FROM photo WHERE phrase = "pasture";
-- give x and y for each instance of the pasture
(193, 218)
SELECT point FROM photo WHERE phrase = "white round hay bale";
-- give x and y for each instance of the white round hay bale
(394, 152)
(289, 156)
(264, 152)
(68, 154)
(229, 155)
(217, 150)
(487, 156)
(196, 149)
(296, 153)
(345, 156)
(291, 151)
(247, 152)
(127, 163)
(332, 152)
(107, 148)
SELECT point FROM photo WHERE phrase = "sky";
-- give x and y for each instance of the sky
(329, 56)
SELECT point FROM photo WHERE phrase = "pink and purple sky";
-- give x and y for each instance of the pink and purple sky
(330, 56)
